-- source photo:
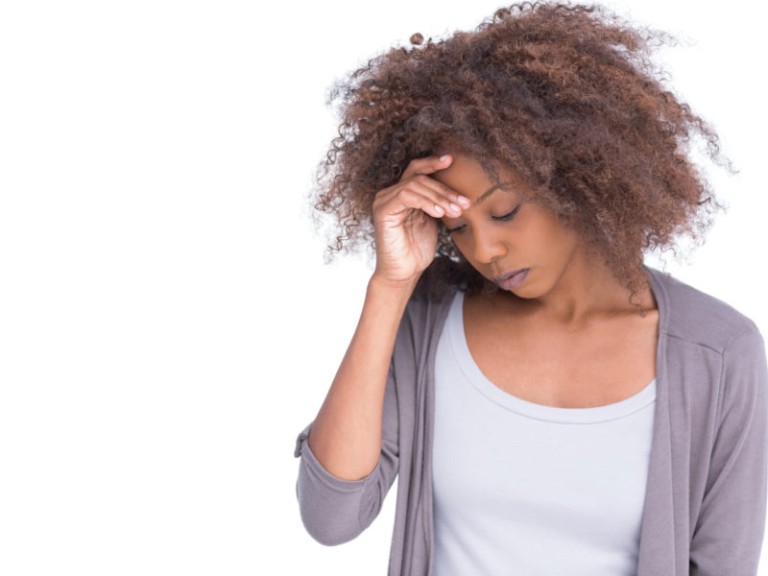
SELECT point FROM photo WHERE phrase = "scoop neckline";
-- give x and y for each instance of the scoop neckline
(475, 376)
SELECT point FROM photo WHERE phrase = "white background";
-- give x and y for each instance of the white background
(167, 322)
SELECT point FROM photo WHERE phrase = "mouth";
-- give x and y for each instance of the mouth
(512, 280)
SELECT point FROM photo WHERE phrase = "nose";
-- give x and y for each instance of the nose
(487, 247)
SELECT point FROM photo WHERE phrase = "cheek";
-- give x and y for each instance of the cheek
(562, 243)
(550, 235)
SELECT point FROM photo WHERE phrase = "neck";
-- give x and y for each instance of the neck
(588, 290)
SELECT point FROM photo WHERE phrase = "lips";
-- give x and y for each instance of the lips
(512, 280)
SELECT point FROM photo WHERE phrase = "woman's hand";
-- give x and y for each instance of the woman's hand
(404, 219)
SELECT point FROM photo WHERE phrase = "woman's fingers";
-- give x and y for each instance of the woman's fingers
(418, 190)
(428, 165)
(419, 193)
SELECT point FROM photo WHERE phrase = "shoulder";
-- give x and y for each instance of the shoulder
(694, 316)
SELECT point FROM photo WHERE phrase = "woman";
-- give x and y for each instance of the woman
(548, 403)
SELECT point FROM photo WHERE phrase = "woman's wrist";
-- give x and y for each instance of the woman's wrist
(394, 289)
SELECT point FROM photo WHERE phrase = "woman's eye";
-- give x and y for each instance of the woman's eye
(508, 216)
(455, 229)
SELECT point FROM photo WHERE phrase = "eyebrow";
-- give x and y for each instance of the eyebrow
(485, 195)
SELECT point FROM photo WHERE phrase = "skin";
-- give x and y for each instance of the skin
(567, 336)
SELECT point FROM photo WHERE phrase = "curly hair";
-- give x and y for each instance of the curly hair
(565, 95)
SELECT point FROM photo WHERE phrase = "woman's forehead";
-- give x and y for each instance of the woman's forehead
(467, 176)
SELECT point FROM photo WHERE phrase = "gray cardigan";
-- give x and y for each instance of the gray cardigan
(705, 502)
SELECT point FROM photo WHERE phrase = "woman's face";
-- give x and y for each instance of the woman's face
(518, 244)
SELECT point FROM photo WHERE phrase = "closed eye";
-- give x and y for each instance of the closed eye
(508, 216)
(503, 218)
(455, 229)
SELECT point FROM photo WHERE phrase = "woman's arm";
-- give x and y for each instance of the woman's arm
(341, 471)
(728, 536)
(346, 435)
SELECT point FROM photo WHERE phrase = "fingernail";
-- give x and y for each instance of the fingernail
(454, 208)
(444, 157)
(439, 210)
(464, 200)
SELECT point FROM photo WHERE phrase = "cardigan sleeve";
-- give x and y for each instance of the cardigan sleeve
(729, 531)
(334, 510)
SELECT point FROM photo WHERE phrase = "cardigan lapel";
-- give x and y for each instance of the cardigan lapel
(657, 532)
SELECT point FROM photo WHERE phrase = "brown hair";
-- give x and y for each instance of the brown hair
(565, 95)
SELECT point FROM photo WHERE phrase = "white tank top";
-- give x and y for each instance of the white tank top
(533, 490)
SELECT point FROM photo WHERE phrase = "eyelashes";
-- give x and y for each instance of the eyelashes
(503, 218)
(508, 216)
